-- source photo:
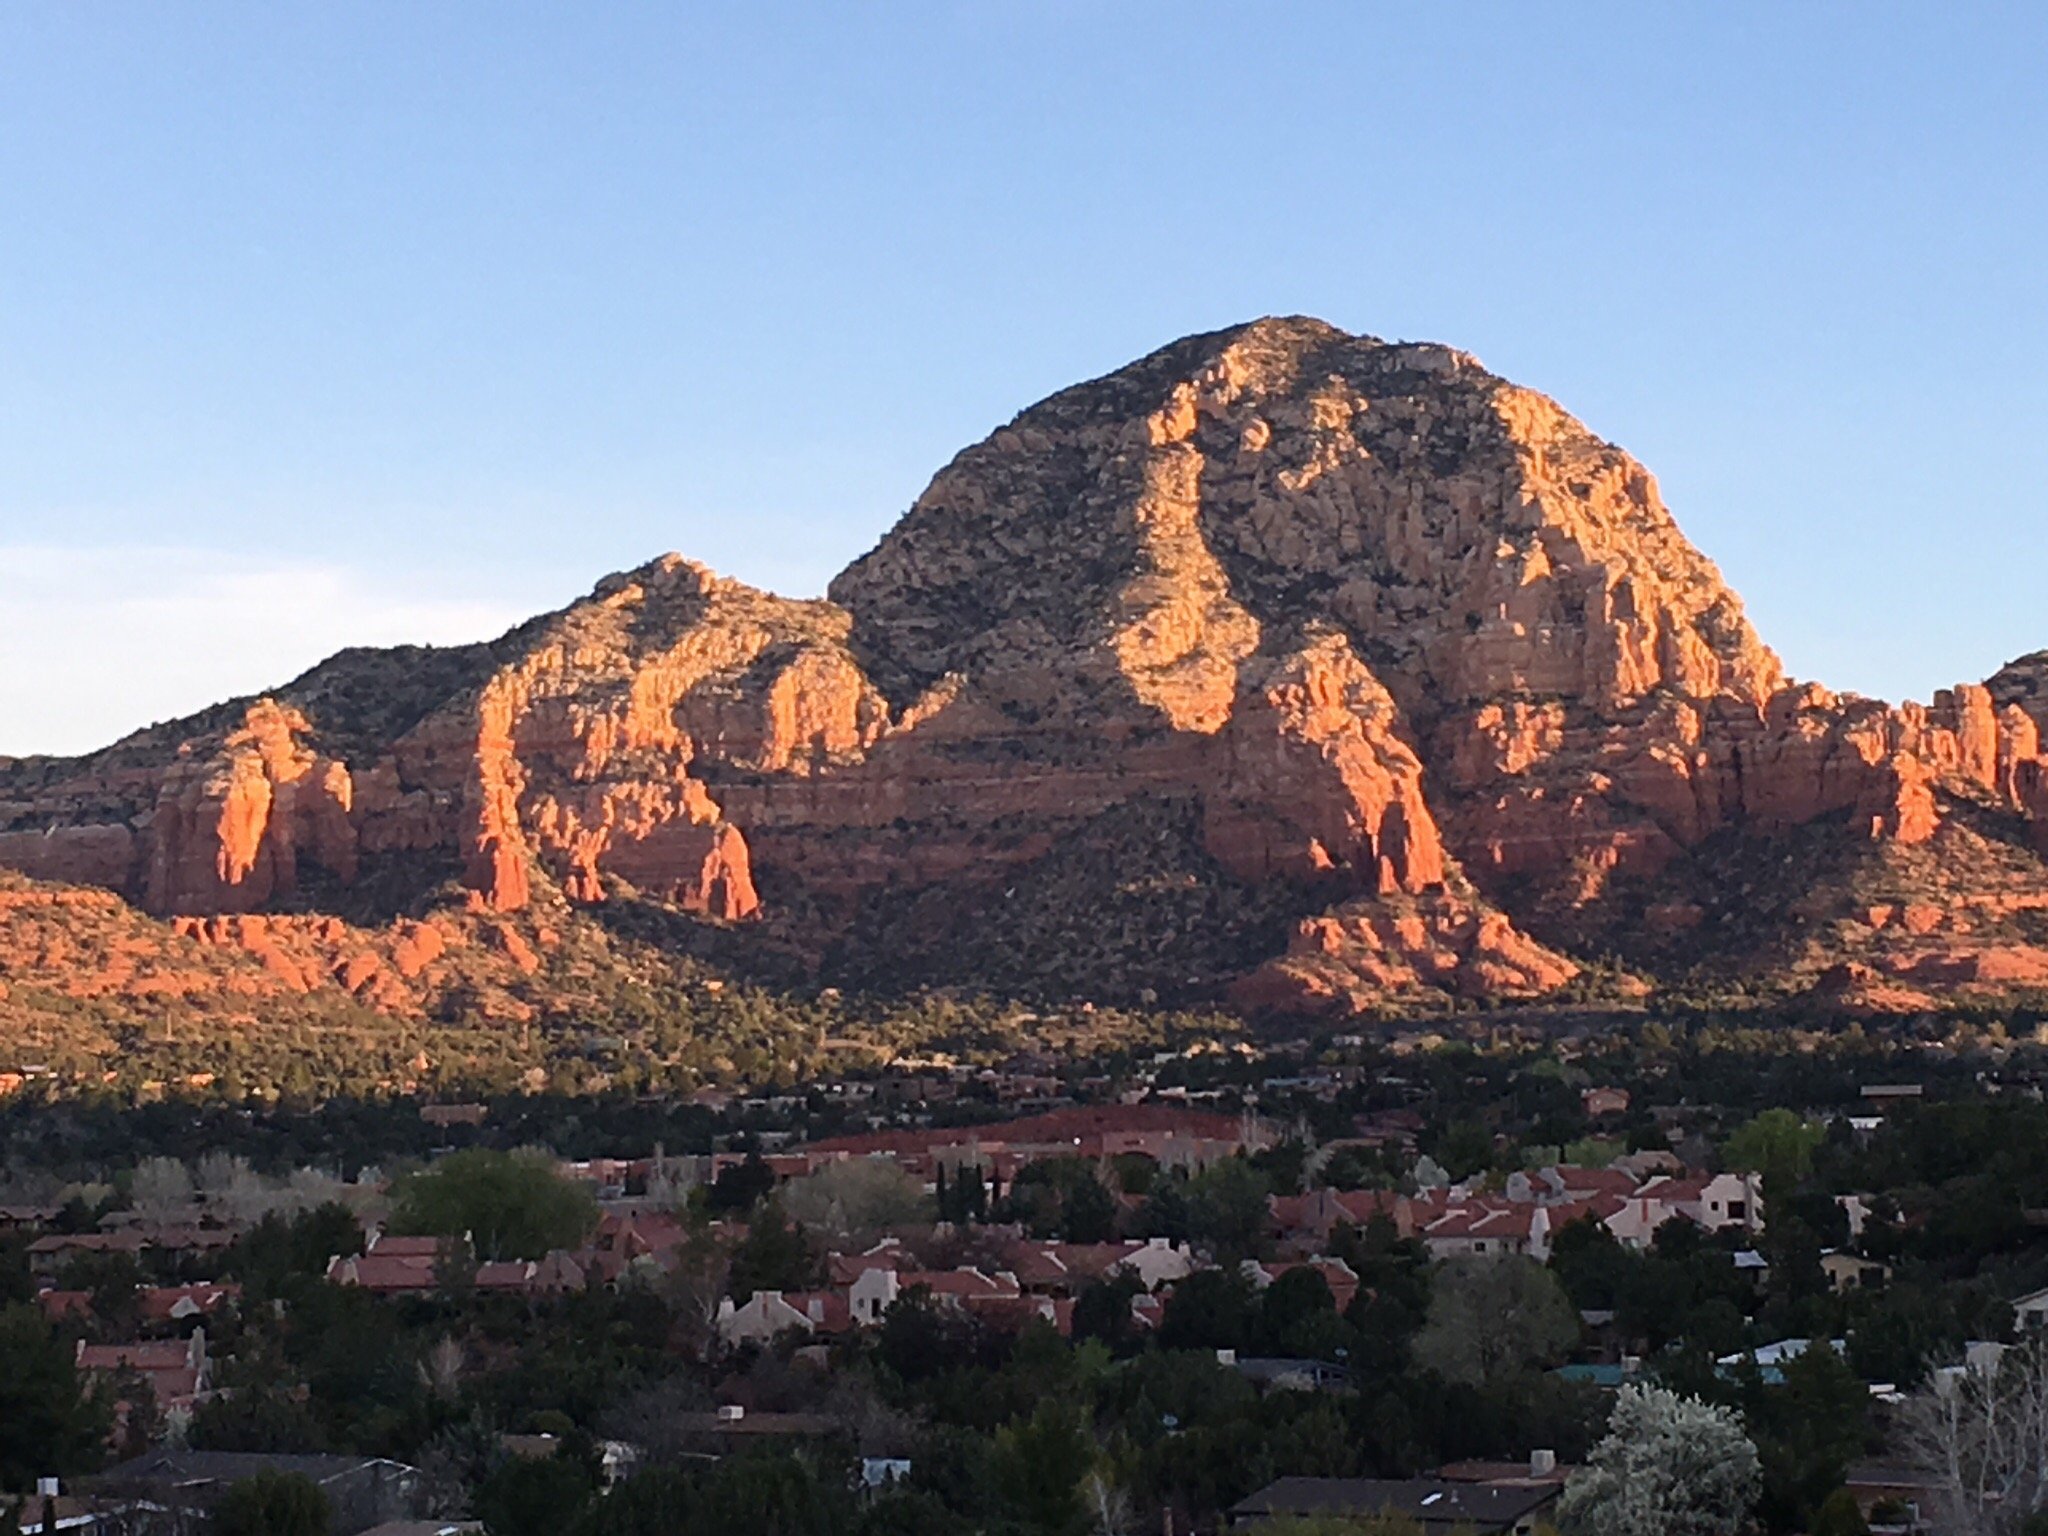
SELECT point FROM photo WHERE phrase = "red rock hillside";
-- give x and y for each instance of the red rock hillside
(1327, 672)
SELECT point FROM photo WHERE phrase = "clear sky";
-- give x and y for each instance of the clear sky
(367, 322)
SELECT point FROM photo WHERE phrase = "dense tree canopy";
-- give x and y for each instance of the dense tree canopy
(272, 1504)
(1491, 1317)
(49, 1426)
(509, 1205)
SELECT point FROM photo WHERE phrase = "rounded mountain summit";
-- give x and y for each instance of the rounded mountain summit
(1283, 665)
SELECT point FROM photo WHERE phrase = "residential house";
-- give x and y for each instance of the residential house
(1066, 1269)
(1885, 1097)
(889, 1253)
(828, 1312)
(1908, 1489)
(1541, 1469)
(1169, 1135)
(1770, 1359)
(1713, 1203)
(1276, 1374)
(176, 1372)
(417, 1266)
(624, 1238)
(1634, 1221)
(392, 1266)
(51, 1252)
(1853, 1272)
(1340, 1277)
(170, 1491)
(966, 1288)
(1399, 1129)
(760, 1319)
(2030, 1311)
(1434, 1506)
(157, 1304)
(1310, 1221)
(1648, 1163)
(1453, 1225)
(872, 1293)
(1566, 1182)
(1598, 1103)
(74, 1514)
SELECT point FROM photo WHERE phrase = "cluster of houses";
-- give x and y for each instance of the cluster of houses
(1036, 1278)
(1031, 1280)
(1172, 1136)
(1009, 1280)
(176, 1245)
(1631, 1198)
(393, 1265)
(998, 1275)
(1013, 1278)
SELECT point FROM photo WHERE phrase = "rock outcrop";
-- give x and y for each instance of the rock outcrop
(1357, 955)
(1412, 683)
(87, 945)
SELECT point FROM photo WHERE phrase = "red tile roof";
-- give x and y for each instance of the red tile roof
(60, 1305)
(1339, 1276)
(845, 1268)
(828, 1311)
(174, 1369)
(1589, 1181)
(1012, 1314)
(505, 1275)
(162, 1303)
(964, 1282)
(386, 1274)
(1475, 1219)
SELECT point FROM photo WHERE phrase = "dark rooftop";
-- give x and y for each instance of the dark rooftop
(1433, 1504)
(200, 1467)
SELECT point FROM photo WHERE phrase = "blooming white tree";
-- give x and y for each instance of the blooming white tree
(1670, 1466)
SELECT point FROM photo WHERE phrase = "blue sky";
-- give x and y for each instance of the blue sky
(371, 322)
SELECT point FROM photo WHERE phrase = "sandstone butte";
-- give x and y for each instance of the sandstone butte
(1311, 670)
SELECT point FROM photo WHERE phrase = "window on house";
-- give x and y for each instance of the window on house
(1736, 1210)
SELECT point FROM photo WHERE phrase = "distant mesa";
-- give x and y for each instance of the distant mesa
(1283, 666)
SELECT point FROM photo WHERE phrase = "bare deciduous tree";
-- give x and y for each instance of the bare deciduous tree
(652, 1418)
(161, 1188)
(311, 1187)
(1109, 1507)
(1981, 1429)
(694, 1284)
(235, 1189)
(441, 1369)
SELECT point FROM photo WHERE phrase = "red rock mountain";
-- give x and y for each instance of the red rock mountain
(1303, 667)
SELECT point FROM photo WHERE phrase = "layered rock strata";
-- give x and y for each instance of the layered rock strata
(1409, 645)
